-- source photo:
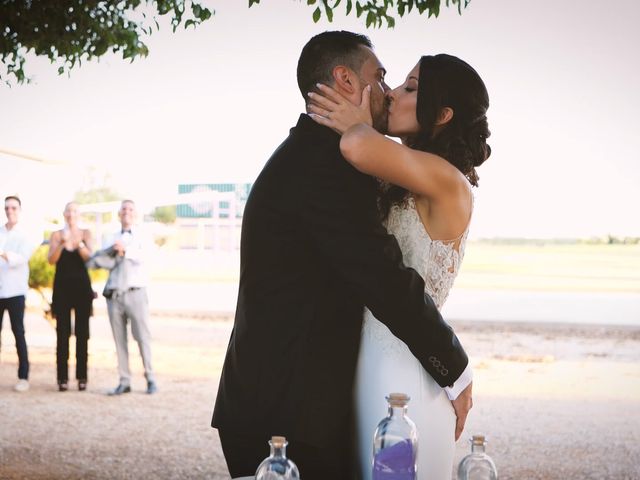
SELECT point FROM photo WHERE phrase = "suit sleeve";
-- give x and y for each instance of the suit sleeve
(339, 213)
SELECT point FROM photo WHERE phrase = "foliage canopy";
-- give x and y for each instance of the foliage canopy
(377, 12)
(69, 32)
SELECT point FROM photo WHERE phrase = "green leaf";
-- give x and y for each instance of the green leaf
(371, 18)
(311, 2)
(60, 70)
(359, 9)
(328, 11)
(253, 2)
(349, 6)
(206, 14)
(316, 15)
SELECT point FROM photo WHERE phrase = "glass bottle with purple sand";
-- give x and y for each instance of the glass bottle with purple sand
(395, 443)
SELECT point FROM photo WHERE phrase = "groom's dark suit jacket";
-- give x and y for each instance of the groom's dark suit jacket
(313, 254)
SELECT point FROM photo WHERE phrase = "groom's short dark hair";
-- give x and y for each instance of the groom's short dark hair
(324, 52)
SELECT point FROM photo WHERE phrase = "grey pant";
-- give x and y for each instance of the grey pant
(131, 305)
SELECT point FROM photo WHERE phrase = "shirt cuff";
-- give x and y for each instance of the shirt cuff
(460, 384)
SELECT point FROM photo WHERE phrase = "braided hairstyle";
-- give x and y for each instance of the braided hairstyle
(447, 81)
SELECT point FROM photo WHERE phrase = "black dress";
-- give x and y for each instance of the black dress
(72, 290)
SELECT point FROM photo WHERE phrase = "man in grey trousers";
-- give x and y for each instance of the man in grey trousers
(126, 295)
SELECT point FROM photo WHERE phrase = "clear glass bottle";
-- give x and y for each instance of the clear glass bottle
(276, 466)
(477, 465)
(395, 443)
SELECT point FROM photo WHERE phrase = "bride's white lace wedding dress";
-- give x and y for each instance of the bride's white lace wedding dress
(386, 364)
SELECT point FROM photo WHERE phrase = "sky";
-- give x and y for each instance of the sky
(210, 105)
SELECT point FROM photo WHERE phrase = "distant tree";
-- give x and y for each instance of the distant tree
(96, 195)
(96, 184)
(69, 32)
(166, 214)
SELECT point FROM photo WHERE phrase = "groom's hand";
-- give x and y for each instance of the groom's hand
(461, 406)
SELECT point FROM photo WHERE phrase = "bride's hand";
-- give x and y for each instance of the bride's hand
(333, 110)
(461, 407)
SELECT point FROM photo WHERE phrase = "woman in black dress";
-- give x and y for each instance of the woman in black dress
(69, 249)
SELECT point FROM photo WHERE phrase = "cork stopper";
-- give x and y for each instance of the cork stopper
(398, 399)
(478, 440)
(278, 442)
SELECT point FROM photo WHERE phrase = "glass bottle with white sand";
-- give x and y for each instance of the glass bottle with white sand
(477, 465)
(277, 466)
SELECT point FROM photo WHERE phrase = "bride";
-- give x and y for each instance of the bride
(439, 112)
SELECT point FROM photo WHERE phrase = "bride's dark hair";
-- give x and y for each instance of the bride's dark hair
(447, 81)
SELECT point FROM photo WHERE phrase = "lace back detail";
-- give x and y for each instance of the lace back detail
(437, 261)
(443, 265)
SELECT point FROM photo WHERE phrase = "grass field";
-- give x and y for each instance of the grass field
(529, 266)
(551, 267)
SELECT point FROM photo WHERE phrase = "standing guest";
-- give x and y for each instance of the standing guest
(15, 250)
(69, 249)
(126, 293)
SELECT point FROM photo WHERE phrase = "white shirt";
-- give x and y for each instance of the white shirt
(463, 381)
(14, 273)
(138, 246)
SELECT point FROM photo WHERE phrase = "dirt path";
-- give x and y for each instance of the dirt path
(556, 403)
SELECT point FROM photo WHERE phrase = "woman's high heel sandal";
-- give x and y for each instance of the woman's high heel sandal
(63, 386)
(82, 385)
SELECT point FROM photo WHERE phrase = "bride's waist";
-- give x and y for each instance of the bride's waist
(374, 331)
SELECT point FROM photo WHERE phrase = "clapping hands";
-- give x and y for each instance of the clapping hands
(70, 240)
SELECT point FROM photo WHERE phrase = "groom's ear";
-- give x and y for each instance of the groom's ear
(345, 80)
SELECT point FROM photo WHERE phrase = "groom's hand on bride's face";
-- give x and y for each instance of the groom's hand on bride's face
(461, 406)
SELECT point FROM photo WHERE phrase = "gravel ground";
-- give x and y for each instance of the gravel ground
(557, 402)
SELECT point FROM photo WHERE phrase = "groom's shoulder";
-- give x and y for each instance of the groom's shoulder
(307, 144)
(313, 135)
(309, 155)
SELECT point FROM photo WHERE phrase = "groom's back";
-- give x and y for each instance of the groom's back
(291, 358)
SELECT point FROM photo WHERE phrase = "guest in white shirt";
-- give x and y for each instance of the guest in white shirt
(126, 294)
(15, 251)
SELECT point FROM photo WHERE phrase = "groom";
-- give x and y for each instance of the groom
(313, 255)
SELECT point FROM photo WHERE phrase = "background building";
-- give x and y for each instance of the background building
(211, 215)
